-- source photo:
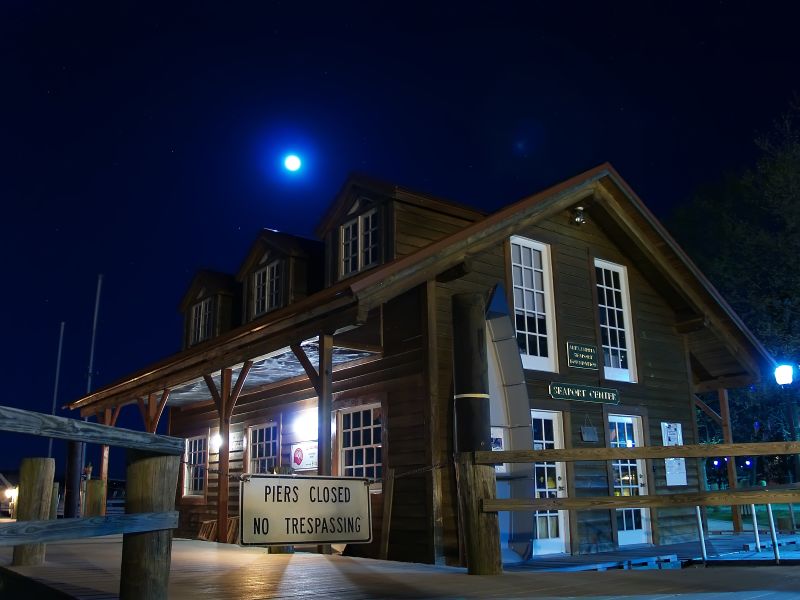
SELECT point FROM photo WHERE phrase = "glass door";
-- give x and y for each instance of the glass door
(549, 481)
(629, 479)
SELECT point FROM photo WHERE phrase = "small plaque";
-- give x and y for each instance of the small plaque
(581, 356)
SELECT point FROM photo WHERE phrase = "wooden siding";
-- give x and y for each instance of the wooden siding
(416, 227)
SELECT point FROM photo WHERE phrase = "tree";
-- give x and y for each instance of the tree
(744, 234)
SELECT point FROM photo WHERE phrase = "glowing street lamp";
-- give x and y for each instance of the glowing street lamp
(784, 374)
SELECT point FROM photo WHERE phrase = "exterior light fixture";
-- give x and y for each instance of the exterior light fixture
(784, 374)
(578, 217)
(216, 442)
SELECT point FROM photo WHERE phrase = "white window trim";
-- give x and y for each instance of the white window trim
(614, 373)
(359, 221)
(549, 362)
(268, 270)
(340, 440)
(187, 470)
(250, 457)
(200, 329)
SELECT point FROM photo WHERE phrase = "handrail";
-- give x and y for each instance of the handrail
(24, 421)
(489, 457)
(153, 464)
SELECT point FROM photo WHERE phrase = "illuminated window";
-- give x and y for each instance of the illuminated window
(263, 446)
(360, 442)
(195, 459)
(267, 289)
(533, 304)
(359, 248)
(614, 309)
(201, 322)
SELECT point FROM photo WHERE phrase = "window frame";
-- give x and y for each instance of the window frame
(534, 362)
(341, 435)
(367, 226)
(276, 440)
(273, 273)
(187, 489)
(628, 374)
(201, 321)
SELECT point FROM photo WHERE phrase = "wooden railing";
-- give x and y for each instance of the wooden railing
(764, 495)
(152, 475)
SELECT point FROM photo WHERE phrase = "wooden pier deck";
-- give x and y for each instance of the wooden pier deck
(89, 570)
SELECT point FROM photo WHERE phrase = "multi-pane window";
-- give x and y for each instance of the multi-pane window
(615, 321)
(267, 288)
(194, 475)
(263, 446)
(628, 477)
(361, 431)
(533, 303)
(359, 243)
(201, 321)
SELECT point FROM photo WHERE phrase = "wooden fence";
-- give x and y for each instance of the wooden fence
(152, 475)
(764, 495)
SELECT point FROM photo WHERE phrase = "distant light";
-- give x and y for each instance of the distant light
(747, 462)
(716, 463)
(784, 374)
(292, 162)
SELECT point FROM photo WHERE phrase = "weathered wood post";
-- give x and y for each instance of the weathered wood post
(54, 501)
(72, 487)
(473, 432)
(151, 484)
(94, 504)
(33, 504)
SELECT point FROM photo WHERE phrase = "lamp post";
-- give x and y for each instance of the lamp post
(784, 377)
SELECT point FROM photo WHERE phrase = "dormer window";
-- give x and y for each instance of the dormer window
(359, 249)
(267, 288)
(201, 322)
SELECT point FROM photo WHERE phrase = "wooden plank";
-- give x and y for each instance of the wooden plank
(24, 421)
(714, 415)
(690, 451)
(35, 532)
(727, 498)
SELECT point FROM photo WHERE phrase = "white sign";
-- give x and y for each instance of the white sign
(672, 435)
(295, 509)
(499, 443)
(304, 456)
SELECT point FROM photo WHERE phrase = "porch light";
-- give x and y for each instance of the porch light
(784, 374)
(306, 425)
(215, 443)
(578, 218)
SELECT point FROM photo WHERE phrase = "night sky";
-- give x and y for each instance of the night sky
(146, 143)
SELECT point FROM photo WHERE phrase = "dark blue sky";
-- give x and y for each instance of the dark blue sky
(144, 143)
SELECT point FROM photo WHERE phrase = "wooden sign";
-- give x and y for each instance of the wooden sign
(583, 393)
(581, 356)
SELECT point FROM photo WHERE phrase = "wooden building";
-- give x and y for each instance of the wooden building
(600, 331)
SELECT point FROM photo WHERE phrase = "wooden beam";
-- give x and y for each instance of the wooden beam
(23, 421)
(325, 404)
(36, 532)
(689, 451)
(729, 498)
(456, 271)
(727, 437)
(215, 395)
(733, 382)
(692, 324)
(240, 380)
(313, 376)
(159, 410)
(715, 416)
(223, 486)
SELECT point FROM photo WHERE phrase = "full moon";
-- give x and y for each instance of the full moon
(292, 162)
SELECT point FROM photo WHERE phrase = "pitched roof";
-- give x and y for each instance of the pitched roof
(608, 198)
(211, 281)
(285, 243)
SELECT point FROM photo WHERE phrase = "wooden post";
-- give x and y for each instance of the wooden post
(472, 431)
(72, 487)
(151, 484)
(33, 504)
(386, 519)
(54, 501)
(94, 504)
(727, 437)
(325, 404)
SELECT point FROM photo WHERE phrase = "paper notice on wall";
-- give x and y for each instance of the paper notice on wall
(672, 435)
